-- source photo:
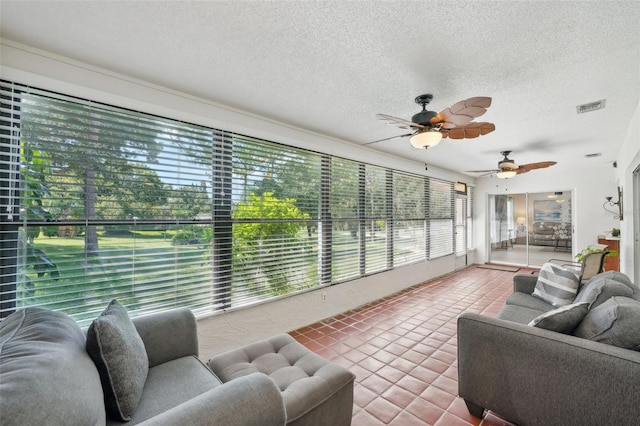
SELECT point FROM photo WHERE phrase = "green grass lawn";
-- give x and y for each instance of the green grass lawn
(144, 270)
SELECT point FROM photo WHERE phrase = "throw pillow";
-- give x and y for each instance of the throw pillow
(619, 277)
(614, 322)
(597, 292)
(564, 319)
(556, 285)
(612, 275)
(121, 358)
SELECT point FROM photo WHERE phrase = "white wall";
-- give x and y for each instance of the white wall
(228, 330)
(44, 70)
(628, 161)
(589, 188)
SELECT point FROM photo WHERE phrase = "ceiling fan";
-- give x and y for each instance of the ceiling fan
(455, 122)
(507, 168)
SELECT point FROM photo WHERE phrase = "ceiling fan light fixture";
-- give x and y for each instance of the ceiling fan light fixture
(506, 174)
(426, 139)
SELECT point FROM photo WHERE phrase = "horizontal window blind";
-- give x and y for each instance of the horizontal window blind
(408, 218)
(276, 192)
(471, 234)
(345, 206)
(110, 203)
(99, 202)
(440, 217)
(377, 242)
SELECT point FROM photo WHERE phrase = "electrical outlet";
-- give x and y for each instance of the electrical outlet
(324, 296)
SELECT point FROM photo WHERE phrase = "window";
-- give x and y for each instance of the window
(471, 234)
(408, 219)
(275, 192)
(99, 202)
(440, 218)
(346, 206)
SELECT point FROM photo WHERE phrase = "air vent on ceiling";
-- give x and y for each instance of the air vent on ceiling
(592, 106)
(595, 154)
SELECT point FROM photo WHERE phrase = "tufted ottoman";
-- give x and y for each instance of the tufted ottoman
(315, 391)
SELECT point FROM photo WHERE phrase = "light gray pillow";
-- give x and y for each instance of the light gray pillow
(614, 322)
(556, 285)
(564, 319)
(597, 292)
(119, 353)
(612, 275)
(46, 375)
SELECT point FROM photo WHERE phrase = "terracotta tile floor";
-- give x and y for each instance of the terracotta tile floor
(403, 348)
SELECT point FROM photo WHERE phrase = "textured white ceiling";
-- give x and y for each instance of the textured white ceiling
(331, 66)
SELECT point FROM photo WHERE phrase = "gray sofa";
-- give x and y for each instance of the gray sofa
(50, 375)
(538, 376)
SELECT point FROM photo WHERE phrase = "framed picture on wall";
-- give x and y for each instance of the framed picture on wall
(547, 211)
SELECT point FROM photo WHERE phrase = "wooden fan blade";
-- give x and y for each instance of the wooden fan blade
(450, 120)
(457, 133)
(484, 127)
(534, 166)
(471, 106)
(471, 130)
(462, 112)
(472, 111)
(386, 139)
(401, 123)
(479, 101)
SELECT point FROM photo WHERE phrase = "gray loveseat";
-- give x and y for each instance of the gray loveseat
(536, 376)
(48, 376)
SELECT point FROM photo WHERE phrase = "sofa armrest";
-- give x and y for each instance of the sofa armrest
(168, 335)
(524, 283)
(533, 376)
(249, 400)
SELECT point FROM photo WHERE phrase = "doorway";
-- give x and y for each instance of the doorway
(531, 228)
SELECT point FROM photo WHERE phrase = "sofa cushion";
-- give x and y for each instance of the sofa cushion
(518, 314)
(528, 301)
(170, 384)
(596, 292)
(563, 320)
(614, 322)
(46, 376)
(556, 285)
(119, 353)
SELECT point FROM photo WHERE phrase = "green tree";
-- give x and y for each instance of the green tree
(35, 167)
(263, 246)
(299, 179)
(143, 196)
(190, 201)
(89, 142)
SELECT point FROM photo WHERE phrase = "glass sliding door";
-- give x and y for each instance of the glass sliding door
(529, 229)
(506, 244)
(550, 226)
